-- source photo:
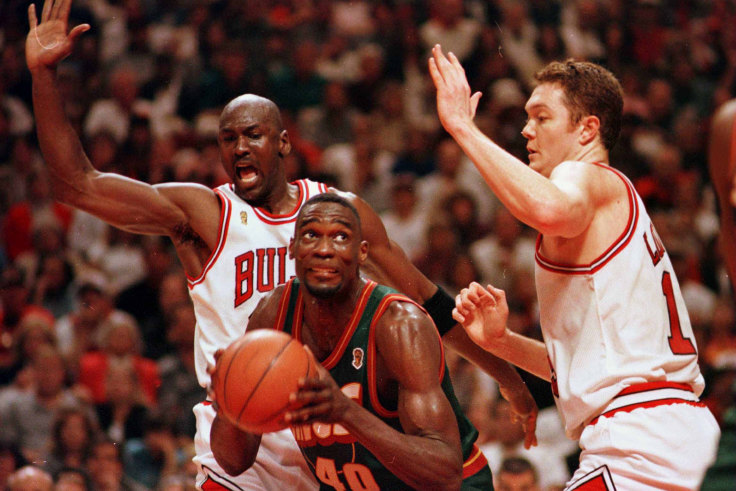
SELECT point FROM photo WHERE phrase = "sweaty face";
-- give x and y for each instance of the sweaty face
(327, 248)
(552, 138)
(250, 143)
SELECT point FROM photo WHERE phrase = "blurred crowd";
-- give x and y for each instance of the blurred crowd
(96, 326)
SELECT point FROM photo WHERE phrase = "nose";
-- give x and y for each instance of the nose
(242, 148)
(324, 247)
(526, 131)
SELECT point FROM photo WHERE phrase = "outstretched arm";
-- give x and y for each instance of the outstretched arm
(552, 205)
(125, 203)
(409, 353)
(483, 314)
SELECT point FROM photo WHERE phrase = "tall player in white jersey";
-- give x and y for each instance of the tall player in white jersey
(231, 241)
(618, 347)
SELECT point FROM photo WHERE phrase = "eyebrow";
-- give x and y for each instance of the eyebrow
(341, 221)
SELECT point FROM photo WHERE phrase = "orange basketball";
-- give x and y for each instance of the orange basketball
(254, 377)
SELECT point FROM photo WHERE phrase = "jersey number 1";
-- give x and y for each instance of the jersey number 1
(679, 344)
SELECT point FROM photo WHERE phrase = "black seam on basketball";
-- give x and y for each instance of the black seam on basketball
(263, 375)
(227, 372)
(280, 410)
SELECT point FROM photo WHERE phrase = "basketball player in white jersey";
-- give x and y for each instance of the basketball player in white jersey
(231, 241)
(722, 164)
(618, 347)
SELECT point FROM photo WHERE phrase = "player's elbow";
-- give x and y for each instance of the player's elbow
(234, 450)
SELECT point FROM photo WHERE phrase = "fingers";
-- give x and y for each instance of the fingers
(32, 20)
(78, 31)
(56, 6)
(474, 100)
(65, 6)
(46, 12)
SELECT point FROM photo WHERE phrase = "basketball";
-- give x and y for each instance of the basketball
(254, 377)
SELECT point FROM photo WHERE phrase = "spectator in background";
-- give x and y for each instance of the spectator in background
(179, 390)
(123, 412)
(15, 307)
(30, 478)
(28, 418)
(74, 431)
(143, 299)
(148, 459)
(121, 347)
(405, 222)
(10, 461)
(517, 474)
(84, 328)
(115, 113)
(105, 466)
(447, 25)
(38, 210)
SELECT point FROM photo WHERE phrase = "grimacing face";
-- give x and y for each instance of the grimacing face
(327, 248)
(252, 145)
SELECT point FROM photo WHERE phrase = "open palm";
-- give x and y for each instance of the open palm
(48, 42)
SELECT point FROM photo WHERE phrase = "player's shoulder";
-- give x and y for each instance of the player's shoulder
(403, 319)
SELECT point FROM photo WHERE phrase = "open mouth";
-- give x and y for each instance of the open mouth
(246, 173)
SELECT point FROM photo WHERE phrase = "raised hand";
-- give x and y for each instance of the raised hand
(455, 104)
(482, 313)
(49, 42)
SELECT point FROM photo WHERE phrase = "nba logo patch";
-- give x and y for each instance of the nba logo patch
(357, 358)
(243, 218)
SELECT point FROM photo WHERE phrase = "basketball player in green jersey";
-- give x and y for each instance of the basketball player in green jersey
(382, 413)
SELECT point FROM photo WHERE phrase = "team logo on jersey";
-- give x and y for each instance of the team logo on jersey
(358, 358)
(243, 218)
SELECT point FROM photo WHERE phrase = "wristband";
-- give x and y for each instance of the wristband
(439, 307)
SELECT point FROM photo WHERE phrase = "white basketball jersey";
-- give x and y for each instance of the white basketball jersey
(615, 322)
(250, 259)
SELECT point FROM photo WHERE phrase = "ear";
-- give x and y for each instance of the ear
(284, 144)
(591, 126)
(363, 252)
(291, 248)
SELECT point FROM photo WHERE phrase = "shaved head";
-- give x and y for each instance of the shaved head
(265, 109)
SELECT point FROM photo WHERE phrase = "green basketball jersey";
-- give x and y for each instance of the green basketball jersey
(335, 457)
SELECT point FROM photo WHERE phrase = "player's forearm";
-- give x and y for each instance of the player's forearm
(60, 145)
(524, 352)
(406, 456)
(234, 450)
(499, 369)
(529, 196)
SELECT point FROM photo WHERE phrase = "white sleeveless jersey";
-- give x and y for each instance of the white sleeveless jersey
(250, 259)
(618, 321)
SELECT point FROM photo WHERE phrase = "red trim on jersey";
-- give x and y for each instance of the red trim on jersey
(352, 324)
(649, 387)
(210, 484)
(271, 219)
(224, 226)
(372, 355)
(618, 245)
(475, 462)
(283, 306)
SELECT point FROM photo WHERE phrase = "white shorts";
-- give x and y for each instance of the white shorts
(668, 447)
(279, 464)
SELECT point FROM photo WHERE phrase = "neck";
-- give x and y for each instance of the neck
(325, 319)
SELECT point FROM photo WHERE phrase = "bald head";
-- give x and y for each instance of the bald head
(30, 478)
(264, 110)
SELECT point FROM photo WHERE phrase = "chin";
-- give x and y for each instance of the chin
(323, 291)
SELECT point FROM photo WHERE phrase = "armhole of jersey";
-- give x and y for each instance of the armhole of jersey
(617, 246)
(225, 212)
(373, 353)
